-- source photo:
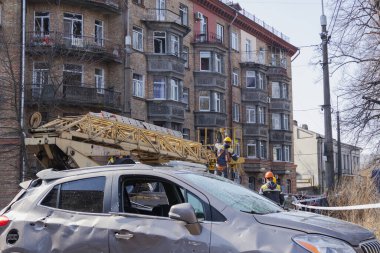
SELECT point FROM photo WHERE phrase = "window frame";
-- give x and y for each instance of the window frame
(42, 22)
(250, 110)
(276, 121)
(251, 145)
(99, 80)
(174, 89)
(206, 55)
(207, 100)
(277, 153)
(162, 40)
(138, 38)
(220, 32)
(184, 14)
(235, 41)
(162, 88)
(276, 90)
(99, 28)
(236, 112)
(250, 74)
(138, 86)
(235, 77)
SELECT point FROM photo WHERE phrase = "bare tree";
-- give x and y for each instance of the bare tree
(354, 52)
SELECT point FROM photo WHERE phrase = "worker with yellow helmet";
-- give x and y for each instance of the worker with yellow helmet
(224, 155)
(271, 189)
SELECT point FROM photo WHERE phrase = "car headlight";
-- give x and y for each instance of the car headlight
(322, 244)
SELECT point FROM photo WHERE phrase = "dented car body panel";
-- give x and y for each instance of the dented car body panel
(138, 208)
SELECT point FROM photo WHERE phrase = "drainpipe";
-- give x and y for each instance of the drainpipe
(22, 92)
(230, 100)
(127, 63)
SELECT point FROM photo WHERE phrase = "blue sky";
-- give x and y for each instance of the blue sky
(299, 20)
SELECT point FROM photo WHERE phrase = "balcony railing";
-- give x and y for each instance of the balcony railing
(164, 15)
(74, 95)
(108, 6)
(276, 60)
(211, 38)
(58, 40)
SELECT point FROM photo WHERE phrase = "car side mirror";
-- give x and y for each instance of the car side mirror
(185, 212)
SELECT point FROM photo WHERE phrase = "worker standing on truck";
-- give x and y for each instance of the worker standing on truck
(272, 190)
(224, 155)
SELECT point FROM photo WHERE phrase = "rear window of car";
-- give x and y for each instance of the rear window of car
(84, 195)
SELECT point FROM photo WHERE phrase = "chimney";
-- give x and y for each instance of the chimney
(304, 126)
(236, 6)
(295, 123)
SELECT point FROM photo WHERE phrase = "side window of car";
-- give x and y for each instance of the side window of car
(149, 196)
(84, 195)
(196, 203)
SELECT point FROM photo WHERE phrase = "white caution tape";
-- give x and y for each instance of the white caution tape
(313, 199)
(339, 208)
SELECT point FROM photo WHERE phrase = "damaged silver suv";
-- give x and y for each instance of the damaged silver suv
(138, 208)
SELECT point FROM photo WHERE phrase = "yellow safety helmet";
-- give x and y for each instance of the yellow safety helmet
(227, 139)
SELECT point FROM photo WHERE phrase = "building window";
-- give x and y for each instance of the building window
(235, 41)
(184, 14)
(40, 77)
(248, 50)
(263, 149)
(251, 182)
(204, 102)
(203, 29)
(159, 88)
(219, 33)
(286, 122)
(73, 29)
(251, 115)
(99, 80)
(251, 151)
(217, 102)
(99, 33)
(261, 56)
(205, 60)
(236, 112)
(276, 91)
(185, 55)
(41, 23)
(276, 121)
(277, 153)
(186, 133)
(237, 147)
(235, 77)
(287, 153)
(138, 85)
(174, 45)
(261, 115)
(285, 91)
(72, 75)
(137, 38)
(159, 41)
(185, 97)
(261, 80)
(288, 186)
(174, 89)
(251, 79)
(218, 63)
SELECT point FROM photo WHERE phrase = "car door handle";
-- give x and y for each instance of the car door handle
(126, 236)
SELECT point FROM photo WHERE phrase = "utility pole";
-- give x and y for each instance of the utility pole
(328, 145)
(339, 142)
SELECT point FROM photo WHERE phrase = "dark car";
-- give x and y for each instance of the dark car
(138, 208)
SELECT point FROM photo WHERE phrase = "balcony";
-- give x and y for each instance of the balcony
(283, 136)
(210, 80)
(166, 110)
(85, 47)
(253, 57)
(106, 6)
(280, 105)
(207, 38)
(73, 95)
(255, 130)
(166, 63)
(166, 20)
(255, 95)
(210, 119)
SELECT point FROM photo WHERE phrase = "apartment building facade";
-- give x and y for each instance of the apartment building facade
(205, 68)
(310, 159)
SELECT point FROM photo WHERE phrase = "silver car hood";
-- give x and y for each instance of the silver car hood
(317, 224)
